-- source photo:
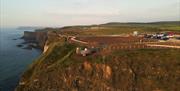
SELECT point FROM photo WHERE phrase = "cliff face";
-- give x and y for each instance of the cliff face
(38, 37)
(29, 35)
(61, 69)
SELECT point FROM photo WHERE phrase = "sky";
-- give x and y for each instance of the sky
(57, 13)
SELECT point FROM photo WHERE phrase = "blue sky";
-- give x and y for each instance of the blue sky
(53, 13)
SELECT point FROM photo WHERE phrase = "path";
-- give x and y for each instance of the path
(166, 46)
(74, 39)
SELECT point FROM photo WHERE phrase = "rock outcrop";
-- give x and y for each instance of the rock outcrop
(38, 37)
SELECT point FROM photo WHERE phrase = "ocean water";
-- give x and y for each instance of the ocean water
(13, 60)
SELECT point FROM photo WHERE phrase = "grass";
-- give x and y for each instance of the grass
(121, 28)
(158, 67)
(153, 68)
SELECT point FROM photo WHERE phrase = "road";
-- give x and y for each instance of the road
(73, 38)
(79, 41)
(165, 46)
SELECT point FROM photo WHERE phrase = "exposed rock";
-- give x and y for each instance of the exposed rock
(46, 47)
(14, 39)
(28, 47)
(107, 72)
(19, 45)
(28, 36)
(22, 83)
(38, 37)
(87, 66)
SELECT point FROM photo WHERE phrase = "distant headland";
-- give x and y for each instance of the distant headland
(29, 27)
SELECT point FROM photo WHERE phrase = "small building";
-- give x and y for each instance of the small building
(78, 50)
(86, 51)
(135, 33)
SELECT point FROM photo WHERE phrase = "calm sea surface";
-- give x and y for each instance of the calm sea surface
(13, 60)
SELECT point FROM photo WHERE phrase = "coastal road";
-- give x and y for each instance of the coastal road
(73, 38)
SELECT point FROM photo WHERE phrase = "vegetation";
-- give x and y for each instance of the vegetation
(141, 69)
(122, 28)
(153, 68)
(61, 69)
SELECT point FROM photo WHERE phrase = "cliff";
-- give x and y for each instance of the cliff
(38, 37)
(61, 69)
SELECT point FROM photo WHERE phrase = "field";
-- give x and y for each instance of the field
(121, 28)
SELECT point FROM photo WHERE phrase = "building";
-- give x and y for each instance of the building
(135, 33)
(86, 51)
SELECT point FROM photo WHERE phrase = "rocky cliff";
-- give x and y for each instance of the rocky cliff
(38, 37)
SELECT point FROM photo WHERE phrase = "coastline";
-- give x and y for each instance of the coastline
(14, 60)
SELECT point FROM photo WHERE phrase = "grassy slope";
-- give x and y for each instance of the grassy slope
(154, 67)
(151, 69)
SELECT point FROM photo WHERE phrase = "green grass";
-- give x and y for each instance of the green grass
(173, 28)
(122, 28)
(159, 66)
(55, 55)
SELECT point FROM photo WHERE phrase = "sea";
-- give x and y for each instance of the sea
(13, 60)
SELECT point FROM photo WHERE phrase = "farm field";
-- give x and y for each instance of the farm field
(121, 28)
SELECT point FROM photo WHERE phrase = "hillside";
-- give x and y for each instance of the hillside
(137, 70)
(60, 68)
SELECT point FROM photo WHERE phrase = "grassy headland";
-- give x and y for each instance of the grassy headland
(61, 69)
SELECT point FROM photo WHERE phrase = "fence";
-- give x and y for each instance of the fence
(131, 47)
